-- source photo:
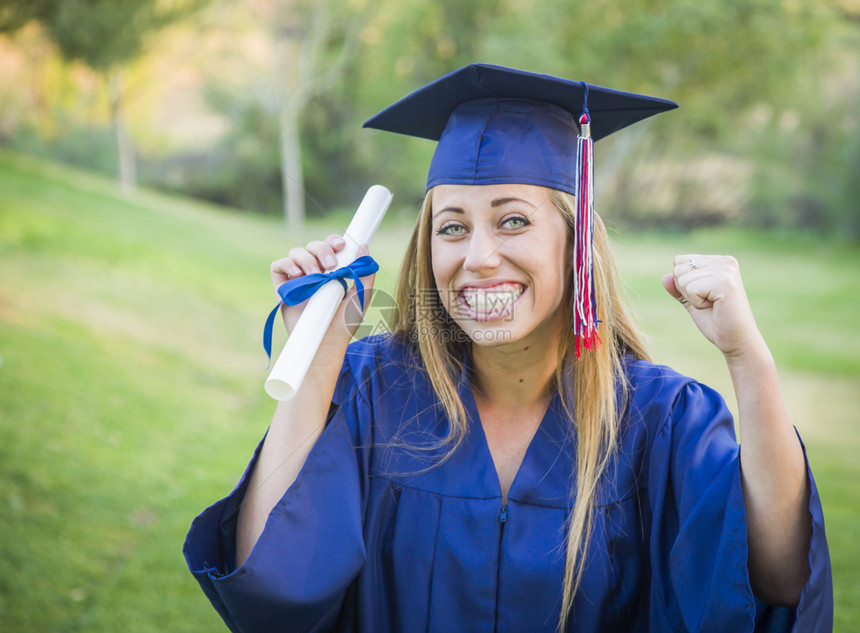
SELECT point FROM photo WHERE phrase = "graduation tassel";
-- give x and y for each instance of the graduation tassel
(584, 308)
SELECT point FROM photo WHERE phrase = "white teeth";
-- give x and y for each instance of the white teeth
(495, 300)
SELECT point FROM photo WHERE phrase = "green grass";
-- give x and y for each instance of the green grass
(131, 375)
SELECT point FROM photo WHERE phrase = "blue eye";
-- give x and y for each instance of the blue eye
(451, 228)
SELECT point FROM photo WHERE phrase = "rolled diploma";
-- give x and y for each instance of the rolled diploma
(301, 347)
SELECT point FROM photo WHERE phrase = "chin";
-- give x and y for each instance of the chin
(484, 335)
(497, 334)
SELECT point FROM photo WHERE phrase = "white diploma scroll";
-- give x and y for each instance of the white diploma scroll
(301, 347)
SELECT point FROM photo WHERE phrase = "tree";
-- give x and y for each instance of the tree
(106, 35)
(729, 63)
(300, 63)
(16, 13)
(309, 50)
(406, 44)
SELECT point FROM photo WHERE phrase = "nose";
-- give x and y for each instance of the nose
(483, 251)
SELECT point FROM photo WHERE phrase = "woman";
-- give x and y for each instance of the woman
(478, 470)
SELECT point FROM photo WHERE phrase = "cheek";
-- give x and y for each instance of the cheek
(559, 269)
(437, 265)
(443, 271)
(443, 260)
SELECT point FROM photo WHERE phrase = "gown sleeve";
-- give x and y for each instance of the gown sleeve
(298, 574)
(700, 581)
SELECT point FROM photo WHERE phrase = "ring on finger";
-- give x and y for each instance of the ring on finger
(683, 301)
(692, 263)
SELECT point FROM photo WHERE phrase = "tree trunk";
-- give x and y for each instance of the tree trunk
(292, 176)
(126, 163)
(299, 72)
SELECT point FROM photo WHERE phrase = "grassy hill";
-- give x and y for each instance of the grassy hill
(131, 375)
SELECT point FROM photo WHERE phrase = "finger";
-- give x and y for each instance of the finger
(305, 260)
(684, 264)
(324, 254)
(688, 272)
(714, 277)
(698, 270)
(284, 269)
(336, 242)
(669, 285)
(699, 293)
(672, 288)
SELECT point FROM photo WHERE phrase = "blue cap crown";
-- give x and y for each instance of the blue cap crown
(495, 141)
(500, 125)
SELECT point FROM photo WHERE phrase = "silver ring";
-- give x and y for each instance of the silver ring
(693, 264)
(683, 301)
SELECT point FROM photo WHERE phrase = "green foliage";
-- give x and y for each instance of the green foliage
(100, 33)
(724, 62)
(716, 58)
(14, 14)
(406, 45)
(333, 176)
(105, 34)
(241, 171)
(808, 154)
(847, 209)
(768, 92)
(85, 146)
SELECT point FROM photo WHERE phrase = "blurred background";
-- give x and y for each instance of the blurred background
(156, 155)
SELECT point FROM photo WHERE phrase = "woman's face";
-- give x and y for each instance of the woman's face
(498, 256)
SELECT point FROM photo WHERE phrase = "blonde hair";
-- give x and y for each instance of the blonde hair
(593, 389)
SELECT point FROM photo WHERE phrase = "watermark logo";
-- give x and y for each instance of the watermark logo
(379, 317)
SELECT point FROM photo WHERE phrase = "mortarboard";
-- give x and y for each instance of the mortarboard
(499, 125)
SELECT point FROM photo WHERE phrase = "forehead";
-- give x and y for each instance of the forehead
(477, 197)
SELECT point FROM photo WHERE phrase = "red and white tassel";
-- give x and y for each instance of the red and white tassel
(584, 308)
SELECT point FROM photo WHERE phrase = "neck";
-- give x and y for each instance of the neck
(518, 375)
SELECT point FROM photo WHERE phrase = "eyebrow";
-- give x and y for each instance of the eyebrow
(498, 202)
(451, 209)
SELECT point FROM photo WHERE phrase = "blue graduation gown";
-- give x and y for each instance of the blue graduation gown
(374, 537)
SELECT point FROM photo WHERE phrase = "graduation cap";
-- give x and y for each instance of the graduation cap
(497, 125)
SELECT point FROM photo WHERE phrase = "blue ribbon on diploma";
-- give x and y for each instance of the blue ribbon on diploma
(295, 291)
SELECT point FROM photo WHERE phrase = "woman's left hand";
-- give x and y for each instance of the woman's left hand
(773, 472)
(711, 290)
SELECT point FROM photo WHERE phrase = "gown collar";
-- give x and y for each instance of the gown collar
(545, 476)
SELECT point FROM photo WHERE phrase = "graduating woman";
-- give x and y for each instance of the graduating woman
(508, 459)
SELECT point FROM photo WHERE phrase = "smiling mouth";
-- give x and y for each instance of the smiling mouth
(488, 304)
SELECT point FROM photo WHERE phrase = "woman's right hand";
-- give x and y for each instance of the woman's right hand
(299, 421)
(316, 257)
